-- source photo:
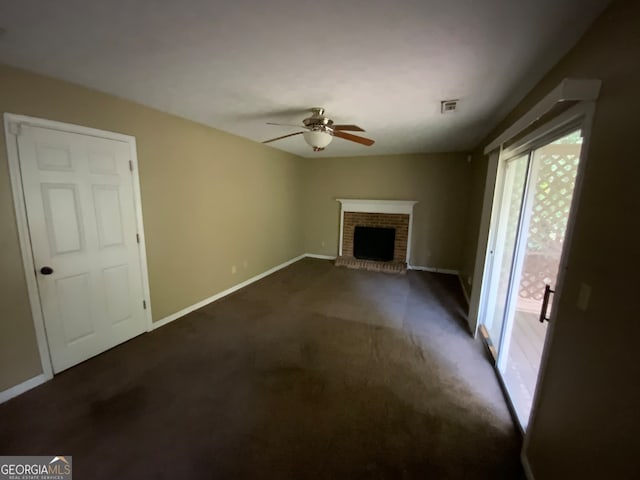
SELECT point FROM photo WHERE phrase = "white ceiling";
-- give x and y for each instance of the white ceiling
(382, 64)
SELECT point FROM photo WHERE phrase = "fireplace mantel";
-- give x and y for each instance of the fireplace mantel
(403, 207)
(377, 206)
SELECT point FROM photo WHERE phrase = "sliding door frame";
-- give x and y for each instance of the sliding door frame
(495, 247)
(581, 90)
(577, 117)
(524, 217)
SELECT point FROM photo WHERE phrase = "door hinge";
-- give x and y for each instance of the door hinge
(138, 237)
(144, 304)
(131, 165)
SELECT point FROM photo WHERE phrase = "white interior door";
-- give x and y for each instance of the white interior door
(81, 214)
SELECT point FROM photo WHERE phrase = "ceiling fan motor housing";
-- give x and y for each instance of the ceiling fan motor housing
(317, 121)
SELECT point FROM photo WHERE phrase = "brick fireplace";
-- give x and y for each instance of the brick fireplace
(389, 214)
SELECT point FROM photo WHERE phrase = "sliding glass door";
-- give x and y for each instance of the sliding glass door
(534, 193)
(512, 180)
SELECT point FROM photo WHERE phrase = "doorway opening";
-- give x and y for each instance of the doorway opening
(534, 193)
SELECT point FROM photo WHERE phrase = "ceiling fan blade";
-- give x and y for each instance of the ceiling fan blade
(283, 136)
(286, 125)
(354, 138)
(351, 128)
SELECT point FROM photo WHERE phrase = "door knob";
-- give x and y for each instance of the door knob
(46, 270)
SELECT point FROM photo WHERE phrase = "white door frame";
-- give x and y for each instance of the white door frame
(583, 113)
(12, 126)
(497, 251)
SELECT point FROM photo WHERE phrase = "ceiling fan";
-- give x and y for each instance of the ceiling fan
(320, 130)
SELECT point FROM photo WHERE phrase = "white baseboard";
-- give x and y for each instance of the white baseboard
(433, 270)
(42, 378)
(22, 387)
(525, 465)
(224, 293)
(321, 257)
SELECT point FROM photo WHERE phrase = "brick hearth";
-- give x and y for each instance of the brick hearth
(371, 265)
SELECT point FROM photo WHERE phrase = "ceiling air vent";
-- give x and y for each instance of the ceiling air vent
(448, 106)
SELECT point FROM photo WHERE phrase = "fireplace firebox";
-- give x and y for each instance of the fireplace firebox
(374, 243)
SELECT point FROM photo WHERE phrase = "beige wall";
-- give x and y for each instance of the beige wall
(588, 416)
(210, 200)
(440, 182)
(472, 227)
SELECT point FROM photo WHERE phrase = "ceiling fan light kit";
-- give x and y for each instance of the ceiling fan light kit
(317, 139)
(320, 131)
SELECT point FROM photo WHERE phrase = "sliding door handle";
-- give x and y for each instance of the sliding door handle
(545, 303)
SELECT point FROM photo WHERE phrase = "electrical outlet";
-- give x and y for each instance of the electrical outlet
(322, 243)
(233, 269)
(246, 264)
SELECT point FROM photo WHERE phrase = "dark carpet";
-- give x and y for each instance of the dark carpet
(313, 372)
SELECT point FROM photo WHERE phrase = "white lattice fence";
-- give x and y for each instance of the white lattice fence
(558, 167)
